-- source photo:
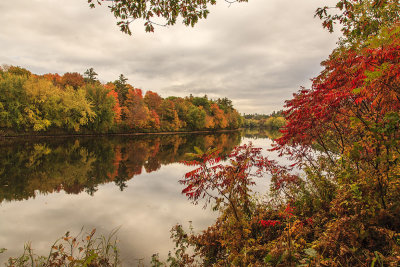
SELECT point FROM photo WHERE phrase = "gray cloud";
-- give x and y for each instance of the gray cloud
(255, 53)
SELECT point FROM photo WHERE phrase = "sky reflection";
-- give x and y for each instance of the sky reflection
(148, 207)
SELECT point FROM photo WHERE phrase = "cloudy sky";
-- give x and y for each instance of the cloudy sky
(257, 54)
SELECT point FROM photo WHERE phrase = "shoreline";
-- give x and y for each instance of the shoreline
(2, 137)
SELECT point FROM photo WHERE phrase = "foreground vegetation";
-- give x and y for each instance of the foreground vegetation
(84, 249)
(73, 103)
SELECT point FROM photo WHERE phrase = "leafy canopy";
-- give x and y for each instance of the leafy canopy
(359, 19)
(158, 12)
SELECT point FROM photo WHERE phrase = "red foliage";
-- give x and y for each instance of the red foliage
(354, 84)
(232, 181)
(72, 79)
(288, 212)
(153, 100)
(137, 113)
(269, 222)
(54, 78)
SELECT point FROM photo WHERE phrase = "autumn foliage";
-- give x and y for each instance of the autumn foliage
(338, 202)
(58, 104)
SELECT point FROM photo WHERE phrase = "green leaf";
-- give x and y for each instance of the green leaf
(90, 258)
(373, 262)
(268, 258)
(191, 154)
(198, 150)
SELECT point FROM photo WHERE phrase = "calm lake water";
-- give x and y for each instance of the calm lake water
(49, 187)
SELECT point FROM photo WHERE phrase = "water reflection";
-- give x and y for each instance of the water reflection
(50, 187)
(74, 165)
(256, 133)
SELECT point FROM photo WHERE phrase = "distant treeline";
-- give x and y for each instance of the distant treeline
(273, 121)
(261, 133)
(76, 103)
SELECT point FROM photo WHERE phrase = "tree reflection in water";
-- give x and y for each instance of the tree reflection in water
(74, 165)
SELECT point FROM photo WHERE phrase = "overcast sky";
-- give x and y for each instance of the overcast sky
(256, 54)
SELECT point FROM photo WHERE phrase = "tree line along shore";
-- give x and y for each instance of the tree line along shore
(53, 104)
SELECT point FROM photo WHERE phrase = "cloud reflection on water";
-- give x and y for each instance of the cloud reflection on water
(146, 210)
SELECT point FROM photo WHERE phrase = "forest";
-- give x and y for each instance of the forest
(273, 121)
(75, 103)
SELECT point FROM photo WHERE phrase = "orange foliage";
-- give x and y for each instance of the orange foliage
(154, 120)
(221, 120)
(72, 79)
(136, 92)
(209, 122)
(117, 108)
(153, 100)
(136, 112)
(54, 78)
(110, 86)
(116, 162)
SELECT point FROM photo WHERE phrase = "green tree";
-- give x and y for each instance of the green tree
(201, 101)
(196, 118)
(103, 105)
(234, 119)
(182, 107)
(13, 100)
(168, 116)
(225, 104)
(122, 88)
(16, 70)
(90, 76)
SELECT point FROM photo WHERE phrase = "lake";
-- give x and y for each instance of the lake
(51, 186)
